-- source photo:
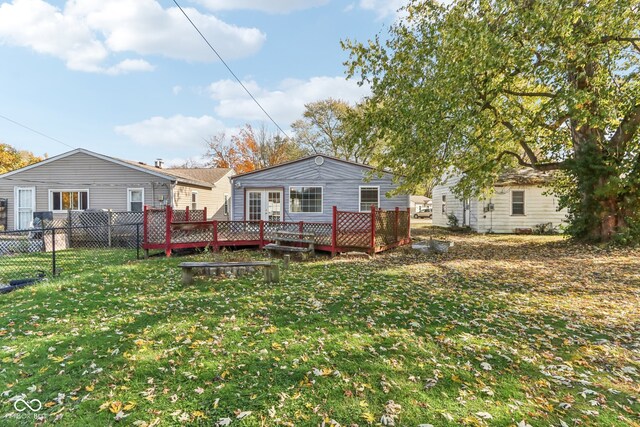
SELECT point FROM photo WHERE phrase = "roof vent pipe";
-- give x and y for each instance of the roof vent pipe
(159, 163)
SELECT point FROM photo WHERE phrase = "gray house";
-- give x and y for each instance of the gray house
(307, 189)
(80, 180)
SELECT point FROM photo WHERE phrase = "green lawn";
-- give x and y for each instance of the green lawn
(500, 331)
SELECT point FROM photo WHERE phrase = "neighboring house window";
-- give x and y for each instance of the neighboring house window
(369, 196)
(194, 200)
(68, 200)
(444, 204)
(517, 202)
(305, 199)
(135, 199)
(226, 204)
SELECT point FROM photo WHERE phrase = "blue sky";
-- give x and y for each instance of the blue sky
(132, 79)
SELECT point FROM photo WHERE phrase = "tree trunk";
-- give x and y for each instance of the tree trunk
(609, 221)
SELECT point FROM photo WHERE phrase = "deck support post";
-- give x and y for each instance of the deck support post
(334, 232)
(261, 234)
(167, 237)
(214, 243)
(396, 226)
(372, 249)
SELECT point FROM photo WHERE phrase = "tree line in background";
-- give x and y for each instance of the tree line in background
(329, 127)
(11, 158)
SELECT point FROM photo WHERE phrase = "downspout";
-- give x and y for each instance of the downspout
(171, 187)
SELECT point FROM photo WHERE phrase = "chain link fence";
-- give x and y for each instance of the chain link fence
(69, 244)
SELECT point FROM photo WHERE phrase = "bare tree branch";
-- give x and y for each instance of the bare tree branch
(537, 166)
(532, 94)
(627, 129)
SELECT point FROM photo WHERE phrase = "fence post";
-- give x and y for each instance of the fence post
(53, 252)
(138, 241)
(145, 224)
(261, 234)
(204, 214)
(186, 214)
(373, 229)
(109, 224)
(69, 225)
(301, 228)
(334, 232)
(396, 226)
(167, 237)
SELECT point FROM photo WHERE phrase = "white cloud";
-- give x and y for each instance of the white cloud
(383, 8)
(176, 89)
(285, 103)
(174, 133)
(270, 6)
(86, 33)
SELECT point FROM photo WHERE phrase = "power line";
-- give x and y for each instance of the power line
(35, 131)
(230, 70)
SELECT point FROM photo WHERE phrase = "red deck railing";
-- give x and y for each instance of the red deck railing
(168, 229)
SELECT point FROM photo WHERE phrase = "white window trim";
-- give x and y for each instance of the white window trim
(15, 198)
(191, 201)
(377, 187)
(129, 190)
(524, 203)
(307, 186)
(68, 190)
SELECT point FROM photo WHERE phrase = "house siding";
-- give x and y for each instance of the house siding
(107, 183)
(212, 199)
(539, 208)
(340, 184)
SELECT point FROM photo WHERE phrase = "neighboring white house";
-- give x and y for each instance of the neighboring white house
(517, 203)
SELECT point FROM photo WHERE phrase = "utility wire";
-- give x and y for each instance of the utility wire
(35, 131)
(230, 70)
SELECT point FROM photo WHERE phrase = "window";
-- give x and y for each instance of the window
(305, 199)
(226, 204)
(517, 202)
(194, 200)
(135, 199)
(369, 196)
(444, 204)
(65, 200)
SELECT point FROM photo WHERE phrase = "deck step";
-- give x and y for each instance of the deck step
(282, 248)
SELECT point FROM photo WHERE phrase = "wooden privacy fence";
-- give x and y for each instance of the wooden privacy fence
(375, 231)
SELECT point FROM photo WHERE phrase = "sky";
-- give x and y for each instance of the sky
(133, 79)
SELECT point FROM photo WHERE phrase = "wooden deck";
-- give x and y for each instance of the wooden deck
(370, 232)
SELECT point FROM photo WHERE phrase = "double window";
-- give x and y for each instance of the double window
(369, 196)
(517, 202)
(68, 200)
(305, 199)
